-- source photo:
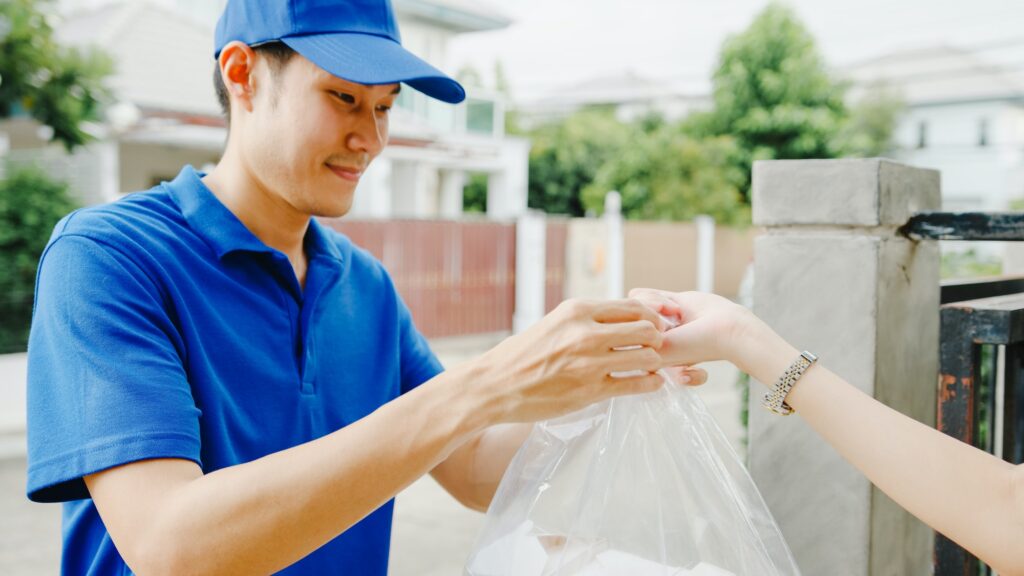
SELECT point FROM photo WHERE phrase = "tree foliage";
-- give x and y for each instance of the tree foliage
(871, 129)
(566, 157)
(31, 204)
(60, 87)
(773, 94)
(773, 98)
(667, 175)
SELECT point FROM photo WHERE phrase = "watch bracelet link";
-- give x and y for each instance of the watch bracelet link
(775, 399)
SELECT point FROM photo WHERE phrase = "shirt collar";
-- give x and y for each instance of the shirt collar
(223, 231)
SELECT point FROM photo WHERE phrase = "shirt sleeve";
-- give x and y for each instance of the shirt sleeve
(419, 363)
(106, 378)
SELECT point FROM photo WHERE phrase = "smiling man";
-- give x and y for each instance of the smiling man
(219, 385)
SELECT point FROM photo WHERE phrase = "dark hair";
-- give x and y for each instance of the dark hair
(277, 53)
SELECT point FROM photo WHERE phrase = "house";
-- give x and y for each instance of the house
(629, 94)
(166, 114)
(964, 116)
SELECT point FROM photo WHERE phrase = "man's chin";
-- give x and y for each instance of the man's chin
(333, 209)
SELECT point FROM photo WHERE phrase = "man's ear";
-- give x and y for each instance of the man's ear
(237, 68)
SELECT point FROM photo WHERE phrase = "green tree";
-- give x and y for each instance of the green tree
(668, 176)
(773, 94)
(872, 125)
(474, 193)
(60, 87)
(31, 204)
(566, 157)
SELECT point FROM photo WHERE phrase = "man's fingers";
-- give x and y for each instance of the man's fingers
(625, 311)
(622, 361)
(636, 333)
(639, 384)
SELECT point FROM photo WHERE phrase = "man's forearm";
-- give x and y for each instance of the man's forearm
(472, 473)
(264, 515)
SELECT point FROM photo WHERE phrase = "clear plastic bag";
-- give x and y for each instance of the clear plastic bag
(641, 485)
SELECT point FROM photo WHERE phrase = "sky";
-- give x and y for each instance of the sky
(558, 42)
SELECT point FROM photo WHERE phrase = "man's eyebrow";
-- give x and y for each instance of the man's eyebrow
(397, 89)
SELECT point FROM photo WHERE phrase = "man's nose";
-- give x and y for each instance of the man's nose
(367, 136)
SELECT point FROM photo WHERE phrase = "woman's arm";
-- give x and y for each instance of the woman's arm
(972, 497)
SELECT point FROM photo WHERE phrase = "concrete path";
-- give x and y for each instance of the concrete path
(432, 535)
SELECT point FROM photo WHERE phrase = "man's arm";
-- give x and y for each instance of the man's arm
(473, 471)
(165, 516)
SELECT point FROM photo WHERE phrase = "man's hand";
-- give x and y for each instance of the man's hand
(565, 361)
(560, 365)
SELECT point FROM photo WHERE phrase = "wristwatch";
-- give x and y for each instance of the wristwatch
(775, 399)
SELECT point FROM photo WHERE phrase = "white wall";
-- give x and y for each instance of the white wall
(141, 164)
(974, 177)
(13, 376)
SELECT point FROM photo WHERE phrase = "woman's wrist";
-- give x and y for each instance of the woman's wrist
(762, 353)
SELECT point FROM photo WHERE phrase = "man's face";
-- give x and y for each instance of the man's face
(311, 135)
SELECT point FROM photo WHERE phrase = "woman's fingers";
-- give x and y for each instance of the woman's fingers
(686, 375)
(659, 301)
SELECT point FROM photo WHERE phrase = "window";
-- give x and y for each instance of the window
(922, 134)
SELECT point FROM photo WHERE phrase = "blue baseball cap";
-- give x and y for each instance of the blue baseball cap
(356, 40)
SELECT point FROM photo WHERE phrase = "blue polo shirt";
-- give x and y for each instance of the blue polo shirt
(163, 328)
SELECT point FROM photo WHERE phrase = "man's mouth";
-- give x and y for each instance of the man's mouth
(346, 173)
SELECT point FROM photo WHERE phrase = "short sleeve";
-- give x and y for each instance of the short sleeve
(106, 378)
(419, 363)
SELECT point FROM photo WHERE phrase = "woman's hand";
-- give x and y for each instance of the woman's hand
(710, 328)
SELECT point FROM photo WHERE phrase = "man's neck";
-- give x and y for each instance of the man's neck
(269, 217)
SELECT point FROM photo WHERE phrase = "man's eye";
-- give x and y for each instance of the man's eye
(346, 98)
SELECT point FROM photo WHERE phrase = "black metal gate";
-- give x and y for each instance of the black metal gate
(981, 365)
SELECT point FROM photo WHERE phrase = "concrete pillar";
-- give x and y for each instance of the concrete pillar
(832, 276)
(452, 184)
(5, 149)
(108, 154)
(531, 238)
(414, 190)
(616, 259)
(374, 193)
(507, 188)
(705, 253)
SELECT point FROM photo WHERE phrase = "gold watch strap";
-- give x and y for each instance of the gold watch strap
(775, 399)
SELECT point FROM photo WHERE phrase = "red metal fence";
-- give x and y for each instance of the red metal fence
(557, 235)
(457, 277)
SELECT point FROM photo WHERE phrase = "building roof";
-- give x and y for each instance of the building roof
(164, 59)
(938, 75)
(455, 15)
(623, 87)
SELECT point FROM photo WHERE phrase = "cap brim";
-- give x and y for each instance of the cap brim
(369, 59)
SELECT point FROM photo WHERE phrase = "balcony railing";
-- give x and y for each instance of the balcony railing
(482, 114)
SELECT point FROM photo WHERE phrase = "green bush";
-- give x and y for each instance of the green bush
(969, 264)
(31, 204)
